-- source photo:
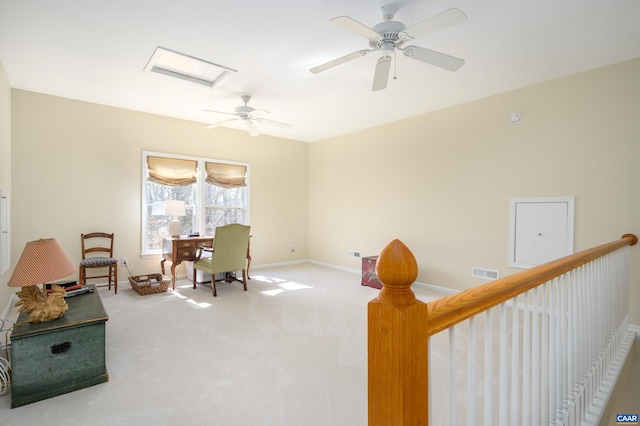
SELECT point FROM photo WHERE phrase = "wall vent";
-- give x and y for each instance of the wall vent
(353, 253)
(484, 273)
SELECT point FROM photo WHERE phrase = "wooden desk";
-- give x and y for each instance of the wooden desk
(177, 250)
(59, 356)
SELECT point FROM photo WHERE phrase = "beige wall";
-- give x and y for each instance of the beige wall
(77, 168)
(441, 182)
(5, 167)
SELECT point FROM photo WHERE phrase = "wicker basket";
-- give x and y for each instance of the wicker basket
(149, 284)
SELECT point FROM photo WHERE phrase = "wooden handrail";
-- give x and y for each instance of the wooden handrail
(450, 310)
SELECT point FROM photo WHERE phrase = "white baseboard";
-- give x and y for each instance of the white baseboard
(436, 288)
(336, 267)
(358, 272)
(275, 265)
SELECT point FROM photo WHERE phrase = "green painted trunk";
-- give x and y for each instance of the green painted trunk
(60, 356)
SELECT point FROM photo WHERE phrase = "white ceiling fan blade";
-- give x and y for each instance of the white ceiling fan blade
(381, 75)
(274, 123)
(339, 61)
(251, 128)
(442, 20)
(218, 112)
(432, 57)
(356, 27)
(220, 123)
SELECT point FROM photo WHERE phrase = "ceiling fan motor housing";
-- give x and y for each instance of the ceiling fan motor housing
(389, 36)
(244, 110)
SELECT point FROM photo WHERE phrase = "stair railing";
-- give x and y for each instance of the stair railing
(559, 332)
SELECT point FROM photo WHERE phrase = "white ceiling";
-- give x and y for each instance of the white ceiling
(95, 51)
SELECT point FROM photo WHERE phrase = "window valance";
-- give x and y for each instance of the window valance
(172, 171)
(226, 175)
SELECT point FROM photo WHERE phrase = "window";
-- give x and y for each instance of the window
(215, 193)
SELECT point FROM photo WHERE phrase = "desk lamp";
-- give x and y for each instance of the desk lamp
(175, 208)
(41, 261)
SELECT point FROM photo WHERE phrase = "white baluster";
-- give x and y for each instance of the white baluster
(563, 346)
(535, 359)
(471, 374)
(572, 335)
(515, 363)
(545, 311)
(526, 362)
(504, 371)
(430, 382)
(554, 328)
(488, 369)
(453, 387)
(580, 346)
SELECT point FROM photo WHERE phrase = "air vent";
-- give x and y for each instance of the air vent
(487, 274)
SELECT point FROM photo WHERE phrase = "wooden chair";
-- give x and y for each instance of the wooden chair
(97, 252)
(229, 254)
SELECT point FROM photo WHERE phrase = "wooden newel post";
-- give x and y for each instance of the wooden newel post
(397, 343)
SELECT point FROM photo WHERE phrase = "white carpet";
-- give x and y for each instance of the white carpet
(292, 350)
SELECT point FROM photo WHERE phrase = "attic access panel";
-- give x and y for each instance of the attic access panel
(541, 230)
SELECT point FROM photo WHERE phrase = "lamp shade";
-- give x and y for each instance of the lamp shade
(174, 208)
(41, 261)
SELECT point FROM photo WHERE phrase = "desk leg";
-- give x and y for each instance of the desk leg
(173, 274)
(162, 265)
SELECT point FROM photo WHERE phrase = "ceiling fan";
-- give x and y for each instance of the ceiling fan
(390, 35)
(249, 116)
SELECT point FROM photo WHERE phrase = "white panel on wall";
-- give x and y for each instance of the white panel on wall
(4, 232)
(541, 230)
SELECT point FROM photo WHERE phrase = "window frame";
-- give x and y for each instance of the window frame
(199, 194)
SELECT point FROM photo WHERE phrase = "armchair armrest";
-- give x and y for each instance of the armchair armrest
(200, 250)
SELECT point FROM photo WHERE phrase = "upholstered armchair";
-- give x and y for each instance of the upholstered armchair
(229, 254)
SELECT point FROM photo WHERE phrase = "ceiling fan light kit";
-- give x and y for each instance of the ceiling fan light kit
(389, 35)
